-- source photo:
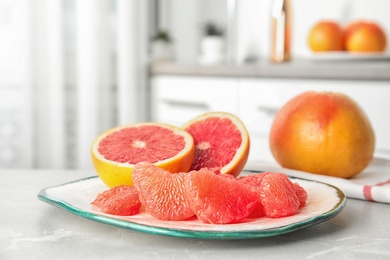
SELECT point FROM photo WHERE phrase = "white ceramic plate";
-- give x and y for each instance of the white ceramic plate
(324, 202)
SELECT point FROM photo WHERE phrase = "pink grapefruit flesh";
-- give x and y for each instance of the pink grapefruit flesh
(120, 200)
(161, 192)
(218, 199)
(221, 142)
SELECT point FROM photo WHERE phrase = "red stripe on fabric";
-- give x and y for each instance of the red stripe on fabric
(367, 189)
(367, 193)
(383, 183)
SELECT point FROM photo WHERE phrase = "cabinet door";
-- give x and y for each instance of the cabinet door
(260, 99)
(176, 99)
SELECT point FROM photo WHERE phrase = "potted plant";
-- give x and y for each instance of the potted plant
(161, 47)
(212, 44)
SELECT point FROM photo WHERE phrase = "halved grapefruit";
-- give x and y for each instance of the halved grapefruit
(116, 151)
(221, 142)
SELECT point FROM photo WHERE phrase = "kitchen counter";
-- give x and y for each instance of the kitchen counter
(296, 69)
(32, 229)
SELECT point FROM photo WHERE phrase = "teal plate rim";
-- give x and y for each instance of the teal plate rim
(188, 233)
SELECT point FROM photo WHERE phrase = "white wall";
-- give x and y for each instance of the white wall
(15, 85)
(253, 20)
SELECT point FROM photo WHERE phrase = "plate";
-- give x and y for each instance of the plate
(324, 202)
(347, 56)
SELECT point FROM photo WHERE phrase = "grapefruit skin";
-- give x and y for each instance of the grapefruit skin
(114, 172)
(323, 133)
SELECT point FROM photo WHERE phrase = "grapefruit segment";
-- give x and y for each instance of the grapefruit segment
(301, 193)
(253, 183)
(278, 196)
(161, 192)
(253, 180)
(218, 199)
(221, 142)
(121, 200)
(116, 151)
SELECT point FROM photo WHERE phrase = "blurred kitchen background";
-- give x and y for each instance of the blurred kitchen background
(71, 69)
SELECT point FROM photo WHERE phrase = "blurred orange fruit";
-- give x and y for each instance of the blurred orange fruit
(324, 133)
(325, 36)
(365, 36)
(351, 27)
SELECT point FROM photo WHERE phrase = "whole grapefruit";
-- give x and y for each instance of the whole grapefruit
(325, 133)
(365, 36)
(325, 36)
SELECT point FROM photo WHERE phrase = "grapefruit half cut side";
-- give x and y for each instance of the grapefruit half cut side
(116, 151)
(221, 142)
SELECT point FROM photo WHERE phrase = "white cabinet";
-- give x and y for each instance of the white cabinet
(176, 99)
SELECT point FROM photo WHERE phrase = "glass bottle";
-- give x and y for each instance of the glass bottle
(281, 31)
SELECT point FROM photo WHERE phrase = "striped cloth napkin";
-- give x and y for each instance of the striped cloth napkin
(372, 184)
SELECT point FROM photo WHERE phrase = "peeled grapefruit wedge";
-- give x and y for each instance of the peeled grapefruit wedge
(253, 183)
(121, 200)
(279, 196)
(218, 198)
(161, 192)
(116, 151)
(221, 142)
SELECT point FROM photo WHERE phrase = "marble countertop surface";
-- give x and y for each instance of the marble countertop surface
(32, 229)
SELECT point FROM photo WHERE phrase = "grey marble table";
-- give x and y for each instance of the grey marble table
(32, 229)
